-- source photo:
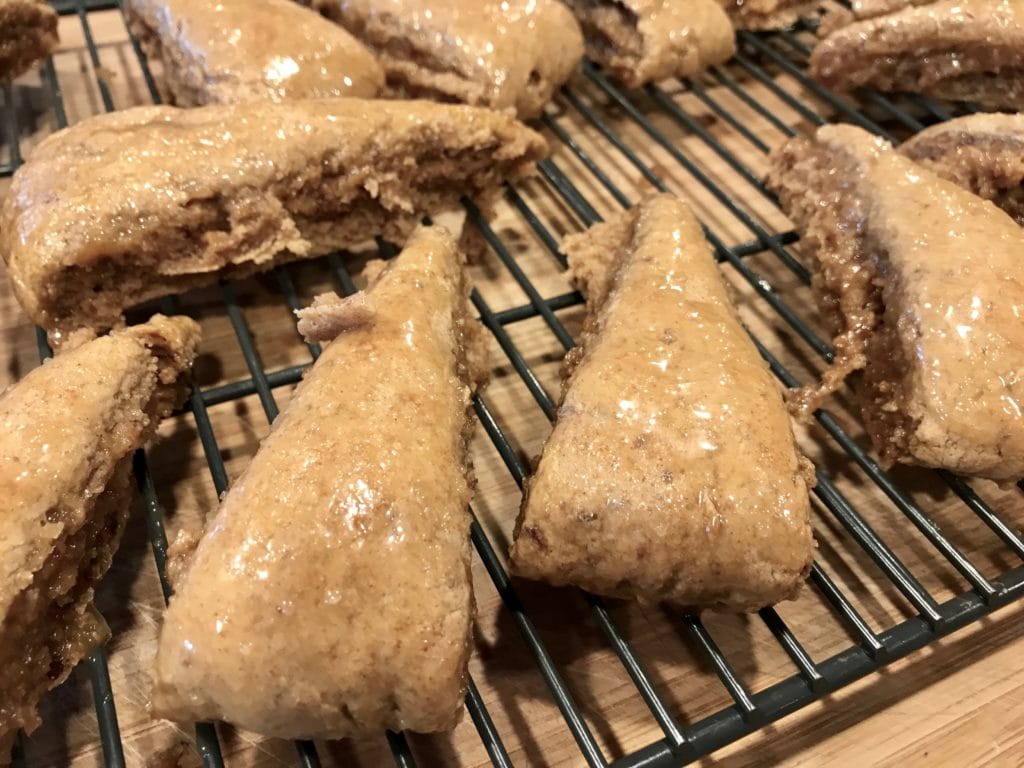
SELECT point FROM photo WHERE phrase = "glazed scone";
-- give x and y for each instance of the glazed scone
(494, 53)
(69, 429)
(331, 594)
(963, 50)
(982, 152)
(671, 474)
(237, 50)
(840, 15)
(641, 41)
(923, 284)
(767, 14)
(28, 32)
(151, 201)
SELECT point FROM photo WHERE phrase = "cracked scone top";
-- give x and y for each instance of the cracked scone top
(923, 283)
(495, 53)
(237, 50)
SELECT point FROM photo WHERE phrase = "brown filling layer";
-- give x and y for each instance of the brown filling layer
(213, 238)
(611, 33)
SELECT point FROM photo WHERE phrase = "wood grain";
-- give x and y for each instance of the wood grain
(955, 703)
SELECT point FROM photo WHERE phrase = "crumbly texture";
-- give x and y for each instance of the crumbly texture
(954, 49)
(68, 431)
(331, 595)
(923, 282)
(767, 14)
(671, 474)
(152, 201)
(28, 32)
(640, 41)
(239, 50)
(982, 152)
(495, 53)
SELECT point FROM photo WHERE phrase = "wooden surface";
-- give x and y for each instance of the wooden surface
(956, 703)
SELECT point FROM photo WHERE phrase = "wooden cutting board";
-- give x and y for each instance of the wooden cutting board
(959, 702)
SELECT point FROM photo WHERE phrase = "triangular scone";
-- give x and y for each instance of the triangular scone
(151, 201)
(641, 41)
(239, 50)
(67, 433)
(965, 50)
(331, 594)
(923, 283)
(767, 14)
(983, 153)
(672, 473)
(28, 32)
(493, 53)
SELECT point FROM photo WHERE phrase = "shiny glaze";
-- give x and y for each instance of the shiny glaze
(499, 46)
(222, 51)
(954, 289)
(671, 473)
(331, 592)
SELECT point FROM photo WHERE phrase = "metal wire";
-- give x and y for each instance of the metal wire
(775, 61)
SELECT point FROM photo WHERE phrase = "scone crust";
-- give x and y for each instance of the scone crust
(28, 32)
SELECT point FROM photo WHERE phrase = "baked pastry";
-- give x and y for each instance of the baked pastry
(28, 32)
(966, 50)
(640, 41)
(767, 14)
(494, 53)
(983, 153)
(69, 430)
(671, 474)
(331, 594)
(923, 284)
(237, 50)
(838, 15)
(133, 205)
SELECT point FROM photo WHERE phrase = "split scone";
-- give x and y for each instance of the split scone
(28, 32)
(923, 284)
(237, 50)
(69, 430)
(152, 201)
(641, 41)
(672, 473)
(767, 14)
(963, 50)
(983, 153)
(494, 53)
(331, 594)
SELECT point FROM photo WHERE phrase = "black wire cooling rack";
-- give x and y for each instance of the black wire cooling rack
(775, 61)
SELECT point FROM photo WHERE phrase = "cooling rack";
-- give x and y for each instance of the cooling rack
(905, 556)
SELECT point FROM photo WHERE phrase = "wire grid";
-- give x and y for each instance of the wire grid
(759, 55)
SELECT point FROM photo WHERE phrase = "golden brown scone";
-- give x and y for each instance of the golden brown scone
(331, 594)
(28, 32)
(69, 429)
(640, 41)
(767, 14)
(923, 283)
(238, 50)
(965, 50)
(494, 53)
(840, 15)
(151, 201)
(672, 473)
(983, 153)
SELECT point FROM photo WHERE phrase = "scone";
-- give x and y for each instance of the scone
(767, 14)
(237, 50)
(923, 284)
(28, 32)
(331, 594)
(494, 53)
(152, 201)
(640, 41)
(963, 50)
(983, 153)
(69, 430)
(672, 473)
